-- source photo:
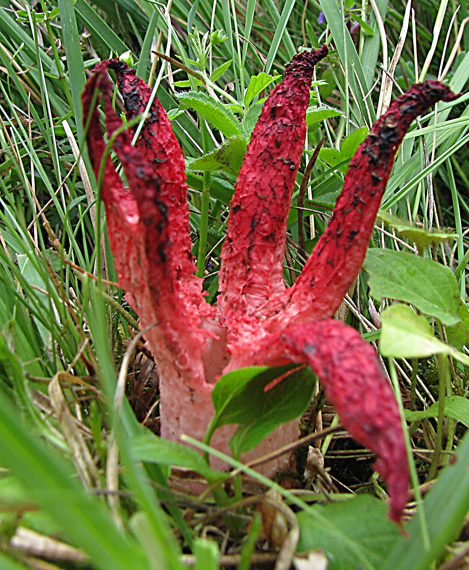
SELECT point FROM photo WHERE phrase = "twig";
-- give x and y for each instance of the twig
(302, 193)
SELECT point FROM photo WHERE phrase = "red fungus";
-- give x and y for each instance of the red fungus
(256, 321)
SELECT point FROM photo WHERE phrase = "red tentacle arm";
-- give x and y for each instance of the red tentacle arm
(253, 253)
(354, 383)
(144, 252)
(159, 146)
(338, 256)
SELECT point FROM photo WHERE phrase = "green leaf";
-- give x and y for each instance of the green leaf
(229, 156)
(341, 159)
(207, 554)
(257, 84)
(214, 111)
(362, 520)
(230, 390)
(445, 507)
(243, 397)
(405, 334)
(458, 334)
(315, 115)
(419, 236)
(251, 116)
(285, 402)
(220, 70)
(364, 26)
(424, 283)
(456, 407)
(184, 84)
(351, 143)
(153, 449)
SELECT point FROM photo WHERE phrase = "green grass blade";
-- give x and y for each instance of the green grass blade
(281, 34)
(76, 69)
(83, 518)
(99, 28)
(445, 508)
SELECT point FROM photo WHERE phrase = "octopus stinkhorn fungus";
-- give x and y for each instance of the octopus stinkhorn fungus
(256, 319)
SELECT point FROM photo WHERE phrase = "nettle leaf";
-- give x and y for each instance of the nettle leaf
(315, 115)
(153, 449)
(251, 117)
(214, 111)
(229, 156)
(424, 283)
(368, 533)
(244, 397)
(456, 407)
(405, 334)
(419, 236)
(341, 159)
(257, 84)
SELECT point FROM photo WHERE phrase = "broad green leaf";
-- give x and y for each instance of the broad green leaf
(419, 236)
(445, 507)
(456, 407)
(424, 283)
(153, 449)
(243, 397)
(363, 520)
(458, 334)
(351, 143)
(229, 156)
(285, 402)
(229, 388)
(335, 159)
(405, 334)
(314, 115)
(257, 84)
(207, 554)
(214, 111)
(251, 116)
(340, 159)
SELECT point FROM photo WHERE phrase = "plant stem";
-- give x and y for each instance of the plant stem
(413, 471)
(204, 208)
(413, 387)
(443, 372)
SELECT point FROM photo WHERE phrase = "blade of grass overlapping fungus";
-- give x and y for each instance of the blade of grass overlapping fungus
(253, 253)
(146, 261)
(353, 380)
(339, 254)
